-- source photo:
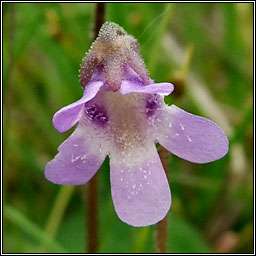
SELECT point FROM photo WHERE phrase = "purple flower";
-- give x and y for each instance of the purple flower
(122, 115)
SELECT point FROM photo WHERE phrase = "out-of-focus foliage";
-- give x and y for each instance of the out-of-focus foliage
(43, 45)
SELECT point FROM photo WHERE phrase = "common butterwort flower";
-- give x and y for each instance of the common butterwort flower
(122, 115)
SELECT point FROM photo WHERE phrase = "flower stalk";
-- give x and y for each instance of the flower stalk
(162, 226)
(92, 215)
(93, 186)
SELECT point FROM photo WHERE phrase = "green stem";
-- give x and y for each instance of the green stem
(58, 209)
(19, 219)
(161, 30)
(57, 213)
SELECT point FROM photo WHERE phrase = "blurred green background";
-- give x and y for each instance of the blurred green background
(205, 49)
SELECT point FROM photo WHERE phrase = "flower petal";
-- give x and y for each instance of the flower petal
(139, 187)
(77, 161)
(190, 137)
(135, 85)
(68, 116)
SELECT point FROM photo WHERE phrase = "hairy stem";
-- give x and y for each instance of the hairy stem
(92, 216)
(100, 17)
(161, 229)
